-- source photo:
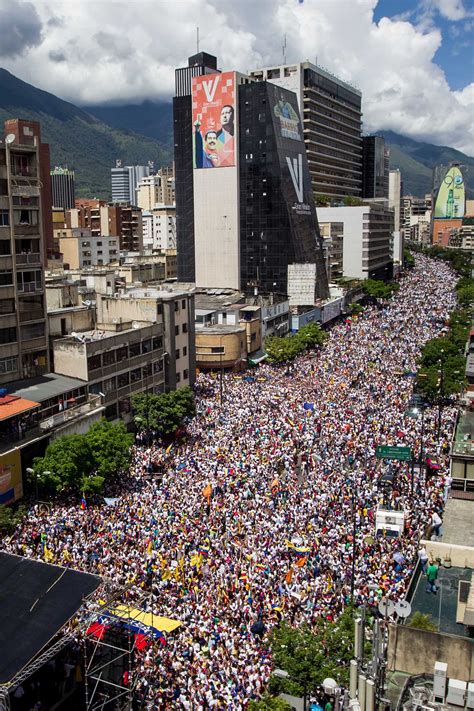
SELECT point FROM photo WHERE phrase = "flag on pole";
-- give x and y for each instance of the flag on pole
(83, 503)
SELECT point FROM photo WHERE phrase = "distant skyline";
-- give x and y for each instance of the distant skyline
(412, 59)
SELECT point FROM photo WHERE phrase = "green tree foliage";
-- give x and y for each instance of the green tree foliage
(110, 447)
(165, 412)
(269, 703)
(322, 200)
(422, 622)
(284, 350)
(355, 309)
(465, 292)
(82, 463)
(352, 201)
(11, 517)
(378, 289)
(408, 258)
(309, 656)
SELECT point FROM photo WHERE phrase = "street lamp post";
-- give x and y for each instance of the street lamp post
(283, 674)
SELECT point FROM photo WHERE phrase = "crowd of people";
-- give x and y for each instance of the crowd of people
(251, 520)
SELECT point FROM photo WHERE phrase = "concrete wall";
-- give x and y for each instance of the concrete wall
(111, 310)
(461, 556)
(79, 425)
(415, 652)
(70, 359)
(216, 227)
(80, 320)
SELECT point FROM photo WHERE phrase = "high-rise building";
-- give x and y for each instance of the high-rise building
(123, 220)
(198, 65)
(23, 324)
(156, 189)
(375, 167)
(332, 124)
(252, 214)
(62, 188)
(125, 181)
(395, 191)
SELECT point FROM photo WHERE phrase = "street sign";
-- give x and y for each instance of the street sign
(401, 453)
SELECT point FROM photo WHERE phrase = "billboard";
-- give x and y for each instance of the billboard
(213, 104)
(451, 199)
(11, 485)
(290, 126)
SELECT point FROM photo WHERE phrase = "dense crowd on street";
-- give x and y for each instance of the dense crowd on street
(251, 519)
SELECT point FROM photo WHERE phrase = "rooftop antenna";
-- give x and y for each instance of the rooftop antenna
(283, 49)
(197, 40)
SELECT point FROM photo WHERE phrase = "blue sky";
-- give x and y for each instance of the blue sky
(456, 54)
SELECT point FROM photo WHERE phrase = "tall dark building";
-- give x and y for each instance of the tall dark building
(245, 209)
(62, 188)
(375, 164)
(198, 65)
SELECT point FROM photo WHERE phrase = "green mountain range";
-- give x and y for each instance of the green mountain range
(77, 139)
(90, 139)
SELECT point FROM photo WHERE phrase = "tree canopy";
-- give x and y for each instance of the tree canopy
(82, 462)
(165, 412)
(378, 289)
(283, 350)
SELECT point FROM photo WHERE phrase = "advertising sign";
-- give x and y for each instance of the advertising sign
(289, 119)
(213, 97)
(11, 487)
(450, 201)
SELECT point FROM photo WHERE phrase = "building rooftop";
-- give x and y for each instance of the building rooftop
(219, 328)
(464, 441)
(458, 523)
(442, 607)
(44, 387)
(11, 405)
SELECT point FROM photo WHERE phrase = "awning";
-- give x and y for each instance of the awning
(11, 405)
(257, 356)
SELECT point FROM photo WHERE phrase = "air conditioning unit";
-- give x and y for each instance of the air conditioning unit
(470, 695)
(456, 692)
(439, 682)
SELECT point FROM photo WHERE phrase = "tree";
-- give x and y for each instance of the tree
(352, 201)
(311, 655)
(311, 335)
(422, 622)
(67, 461)
(378, 289)
(165, 412)
(11, 517)
(322, 200)
(110, 447)
(282, 350)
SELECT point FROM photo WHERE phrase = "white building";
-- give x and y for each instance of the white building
(125, 180)
(394, 202)
(154, 190)
(368, 239)
(159, 228)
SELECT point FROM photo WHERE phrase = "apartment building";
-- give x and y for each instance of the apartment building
(333, 247)
(159, 228)
(125, 180)
(416, 211)
(63, 188)
(332, 125)
(80, 248)
(156, 189)
(23, 327)
(367, 239)
(119, 219)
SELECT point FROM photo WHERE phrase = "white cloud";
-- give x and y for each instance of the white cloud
(127, 50)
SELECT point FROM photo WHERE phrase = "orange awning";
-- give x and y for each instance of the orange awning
(11, 406)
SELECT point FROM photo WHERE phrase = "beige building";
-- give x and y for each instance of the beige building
(221, 347)
(80, 248)
(333, 245)
(155, 190)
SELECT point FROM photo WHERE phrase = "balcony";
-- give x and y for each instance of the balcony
(72, 413)
(32, 258)
(30, 287)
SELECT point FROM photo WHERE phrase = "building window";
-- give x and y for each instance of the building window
(134, 350)
(185, 327)
(176, 305)
(146, 346)
(135, 375)
(7, 306)
(178, 377)
(8, 365)
(178, 354)
(34, 330)
(4, 218)
(110, 385)
(157, 343)
(93, 362)
(123, 380)
(109, 358)
(183, 304)
(6, 278)
(176, 330)
(185, 374)
(8, 335)
(185, 351)
(159, 309)
(157, 366)
(5, 247)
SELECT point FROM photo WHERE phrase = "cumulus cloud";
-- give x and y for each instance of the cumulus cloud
(20, 28)
(135, 46)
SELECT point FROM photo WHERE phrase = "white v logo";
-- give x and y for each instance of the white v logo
(210, 88)
(296, 172)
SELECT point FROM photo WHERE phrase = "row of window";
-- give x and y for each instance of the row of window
(8, 365)
(117, 355)
(124, 379)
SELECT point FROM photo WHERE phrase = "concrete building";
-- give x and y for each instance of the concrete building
(333, 246)
(119, 219)
(156, 189)
(368, 239)
(395, 192)
(23, 325)
(159, 228)
(62, 188)
(125, 180)
(332, 125)
(81, 249)
(375, 168)
(175, 310)
(258, 220)
(416, 212)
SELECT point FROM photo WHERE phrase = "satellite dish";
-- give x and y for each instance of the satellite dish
(403, 608)
(386, 608)
(10, 138)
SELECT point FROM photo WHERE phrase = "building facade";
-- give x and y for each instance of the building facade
(121, 219)
(332, 123)
(253, 213)
(82, 249)
(62, 188)
(159, 228)
(375, 168)
(125, 180)
(23, 323)
(368, 239)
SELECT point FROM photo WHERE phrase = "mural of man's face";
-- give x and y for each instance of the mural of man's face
(227, 115)
(211, 140)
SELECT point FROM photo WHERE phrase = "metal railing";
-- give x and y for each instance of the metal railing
(32, 258)
(71, 413)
